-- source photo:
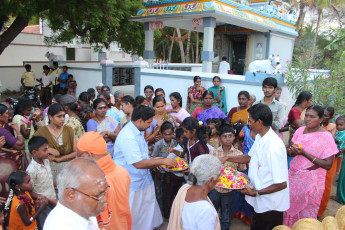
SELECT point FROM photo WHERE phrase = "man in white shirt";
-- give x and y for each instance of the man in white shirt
(82, 196)
(268, 171)
(224, 66)
(46, 81)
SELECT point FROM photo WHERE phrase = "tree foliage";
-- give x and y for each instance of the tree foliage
(96, 22)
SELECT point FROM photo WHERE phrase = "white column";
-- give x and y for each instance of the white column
(207, 55)
(148, 52)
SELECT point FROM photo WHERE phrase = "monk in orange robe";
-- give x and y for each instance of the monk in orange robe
(117, 213)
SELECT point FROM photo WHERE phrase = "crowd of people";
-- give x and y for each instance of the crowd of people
(95, 161)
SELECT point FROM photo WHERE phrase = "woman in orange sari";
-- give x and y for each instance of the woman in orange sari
(240, 113)
(327, 116)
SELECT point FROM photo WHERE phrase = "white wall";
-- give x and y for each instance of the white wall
(257, 53)
(86, 78)
(282, 45)
(179, 81)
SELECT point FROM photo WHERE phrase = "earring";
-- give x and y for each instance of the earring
(19, 189)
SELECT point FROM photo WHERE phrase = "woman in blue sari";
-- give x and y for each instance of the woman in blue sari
(219, 94)
(207, 111)
(241, 208)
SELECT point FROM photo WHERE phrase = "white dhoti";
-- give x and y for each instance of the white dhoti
(146, 214)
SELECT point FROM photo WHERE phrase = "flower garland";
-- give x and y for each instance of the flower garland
(9, 199)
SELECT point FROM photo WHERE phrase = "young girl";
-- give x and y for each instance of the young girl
(195, 143)
(23, 214)
(25, 122)
(214, 125)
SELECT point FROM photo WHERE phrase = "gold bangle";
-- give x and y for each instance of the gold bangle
(313, 160)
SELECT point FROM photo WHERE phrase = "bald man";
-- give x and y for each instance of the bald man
(82, 196)
(117, 214)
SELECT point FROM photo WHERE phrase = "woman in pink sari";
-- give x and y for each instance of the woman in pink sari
(313, 149)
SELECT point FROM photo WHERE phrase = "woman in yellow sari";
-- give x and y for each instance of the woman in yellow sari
(240, 113)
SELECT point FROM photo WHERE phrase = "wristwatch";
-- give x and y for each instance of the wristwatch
(257, 193)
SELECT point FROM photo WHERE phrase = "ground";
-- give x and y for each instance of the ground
(331, 210)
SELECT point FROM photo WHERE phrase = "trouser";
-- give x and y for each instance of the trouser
(43, 216)
(266, 220)
(172, 183)
(62, 91)
(45, 96)
(224, 202)
(56, 89)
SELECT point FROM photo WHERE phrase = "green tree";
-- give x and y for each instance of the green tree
(96, 22)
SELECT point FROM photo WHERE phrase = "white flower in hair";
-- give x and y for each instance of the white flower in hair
(9, 199)
(201, 123)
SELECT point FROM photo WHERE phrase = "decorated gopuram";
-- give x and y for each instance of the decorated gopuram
(243, 30)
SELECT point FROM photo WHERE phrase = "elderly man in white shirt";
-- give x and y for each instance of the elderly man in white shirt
(82, 196)
(268, 171)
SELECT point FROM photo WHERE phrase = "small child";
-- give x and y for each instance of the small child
(214, 125)
(160, 150)
(23, 214)
(223, 199)
(71, 85)
(41, 176)
(340, 141)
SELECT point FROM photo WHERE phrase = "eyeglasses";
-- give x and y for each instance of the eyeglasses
(93, 197)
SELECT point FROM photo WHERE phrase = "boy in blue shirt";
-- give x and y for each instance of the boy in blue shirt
(63, 80)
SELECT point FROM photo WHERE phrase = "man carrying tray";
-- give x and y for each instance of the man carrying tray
(268, 171)
(131, 152)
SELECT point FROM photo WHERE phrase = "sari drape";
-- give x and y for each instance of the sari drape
(243, 114)
(196, 95)
(307, 186)
(213, 112)
(222, 104)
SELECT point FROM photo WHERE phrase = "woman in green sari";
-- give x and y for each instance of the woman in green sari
(219, 94)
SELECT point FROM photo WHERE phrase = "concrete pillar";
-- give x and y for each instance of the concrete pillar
(207, 55)
(149, 54)
(107, 72)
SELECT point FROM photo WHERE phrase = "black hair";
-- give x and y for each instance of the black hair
(55, 63)
(91, 91)
(318, 109)
(27, 66)
(57, 97)
(340, 118)
(207, 92)
(196, 78)
(302, 96)
(158, 99)
(17, 178)
(224, 58)
(65, 66)
(139, 100)
(82, 111)
(149, 87)
(179, 133)
(159, 90)
(45, 67)
(167, 125)
(330, 109)
(270, 81)
(261, 112)
(128, 99)
(279, 88)
(142, 112)
(70, 75)
(36, 142)
(97, 101)
(237, 127)
(177, 96)
(216, 121)
(55, 109)
(190, 123)
(244, 93)
(85, 97)
(24, 103)
(3, 109)
(216, 77)
(105, 86)
(226, 128)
